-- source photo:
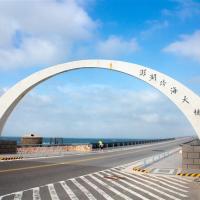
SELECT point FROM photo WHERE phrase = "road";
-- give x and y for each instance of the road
(24, 174)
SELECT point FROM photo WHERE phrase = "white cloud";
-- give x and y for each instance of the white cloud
(43, 99)
(97, 111)
(38, 32)
(154, 27)
(48, 18)
(188, 46)
(7, 31)
(41, 33)
(32, 51)
(184, 9)
(116, 46)
(150, 118)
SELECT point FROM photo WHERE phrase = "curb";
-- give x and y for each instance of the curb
(140, 170)
(12, 158)
(188, 174)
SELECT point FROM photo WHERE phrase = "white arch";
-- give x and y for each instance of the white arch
(186, 100)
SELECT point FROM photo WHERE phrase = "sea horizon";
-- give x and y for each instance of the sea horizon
(77, 140)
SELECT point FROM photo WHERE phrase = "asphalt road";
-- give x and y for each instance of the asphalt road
(21, 175)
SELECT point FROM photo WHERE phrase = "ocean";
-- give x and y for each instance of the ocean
(47, 140)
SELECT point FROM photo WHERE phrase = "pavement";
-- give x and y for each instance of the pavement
(110, 184)
(170, 165)
(93, 176)
(165, 172)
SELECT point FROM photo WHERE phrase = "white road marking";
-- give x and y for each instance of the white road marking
(68, 190)
(18, 195)
(36, 193)
(157, 185)
(159, 182)
(110, 188)
(54, 196)
(104, 194)
(177, 179)
(152, 188)
(52, 192)
(124, 188)
(83, 189)
(171, 182)
(140, 189)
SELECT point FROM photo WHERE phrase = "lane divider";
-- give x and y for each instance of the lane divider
(11, 158)
(188, 174)
(140, 170)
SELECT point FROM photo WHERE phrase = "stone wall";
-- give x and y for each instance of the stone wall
(8, 147)
(54, 149)
(191, 156)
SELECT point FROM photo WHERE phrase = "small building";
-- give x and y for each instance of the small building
(31, 139)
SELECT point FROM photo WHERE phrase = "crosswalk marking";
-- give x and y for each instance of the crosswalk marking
(83, 189)
(18, 196)
(171, 182)
(140, 177)
(124, 188)
(68, 190)
(36, 193)
(52, 192)
(157, 185)
(94, 186)
(170, 186)
(163, 183)
(110, 188)
(141, 189)
(150, 187)
(179, 180)
(104, 194)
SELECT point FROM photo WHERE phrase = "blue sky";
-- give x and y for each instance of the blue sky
(161, 34)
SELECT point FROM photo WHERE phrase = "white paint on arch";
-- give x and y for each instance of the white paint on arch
(186, 100)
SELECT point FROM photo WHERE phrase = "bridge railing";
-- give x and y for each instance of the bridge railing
(108, 145)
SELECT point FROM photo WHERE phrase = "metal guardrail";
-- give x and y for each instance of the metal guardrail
(148, 161)
(94, 145)
(59, 151)
(129, 143)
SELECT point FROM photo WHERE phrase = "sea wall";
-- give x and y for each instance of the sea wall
(53, 149)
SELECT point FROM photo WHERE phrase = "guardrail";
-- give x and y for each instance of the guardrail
(128, 143)
(49, 149)
(148, 161)
(145, 162)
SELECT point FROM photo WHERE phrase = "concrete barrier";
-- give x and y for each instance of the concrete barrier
(53, 149)
(8, 147)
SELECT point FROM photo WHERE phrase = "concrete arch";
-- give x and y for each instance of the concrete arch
(186, 100)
